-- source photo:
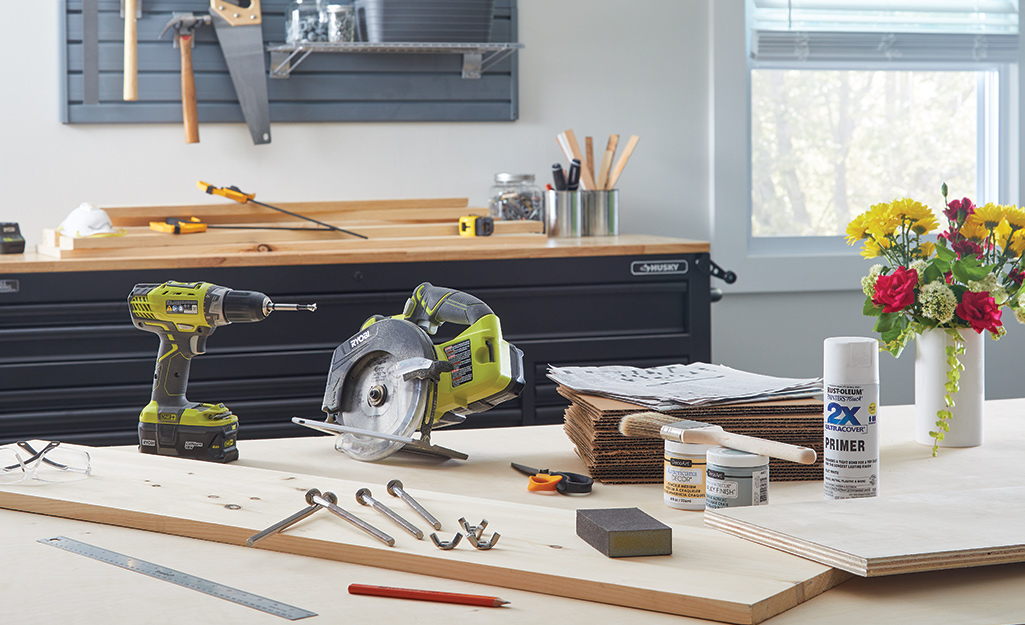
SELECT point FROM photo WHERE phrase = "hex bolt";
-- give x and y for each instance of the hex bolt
(355, 520)
(395, 490)
(364, 497)
(295, 518)
(446, 545)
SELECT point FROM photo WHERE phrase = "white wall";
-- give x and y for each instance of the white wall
(598, 66)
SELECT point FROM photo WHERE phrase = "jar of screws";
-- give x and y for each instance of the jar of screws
(516, 196)
(306, 20)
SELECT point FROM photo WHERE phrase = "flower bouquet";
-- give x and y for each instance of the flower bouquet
(956, 283)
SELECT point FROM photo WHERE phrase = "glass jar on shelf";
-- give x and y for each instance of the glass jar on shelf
(306, 20)
(515, 197)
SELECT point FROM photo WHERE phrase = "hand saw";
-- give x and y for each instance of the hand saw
(240, 34)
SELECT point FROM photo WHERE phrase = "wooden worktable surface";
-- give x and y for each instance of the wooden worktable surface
(384, 251)
(40, 580)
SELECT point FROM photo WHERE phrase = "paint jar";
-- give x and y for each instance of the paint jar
(684, 483)
(736, 479)
(850, 433)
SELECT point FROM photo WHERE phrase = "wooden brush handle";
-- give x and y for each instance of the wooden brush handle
(750, 444)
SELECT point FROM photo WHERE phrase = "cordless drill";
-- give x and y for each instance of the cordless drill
(184, 315)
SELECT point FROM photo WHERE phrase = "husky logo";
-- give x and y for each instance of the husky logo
(842, 415)
(355, 341)
(661, 267)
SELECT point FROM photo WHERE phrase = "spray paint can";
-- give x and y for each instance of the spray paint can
(850, 458)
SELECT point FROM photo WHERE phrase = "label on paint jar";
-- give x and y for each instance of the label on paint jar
(850, 441)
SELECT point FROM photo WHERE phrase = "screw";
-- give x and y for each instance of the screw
(363, 496)
(295, 518)
(395, 490)
(358, 522)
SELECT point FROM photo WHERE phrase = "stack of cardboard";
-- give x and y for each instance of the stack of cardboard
(592, 423)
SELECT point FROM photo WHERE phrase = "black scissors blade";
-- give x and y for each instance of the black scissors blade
(570, 484)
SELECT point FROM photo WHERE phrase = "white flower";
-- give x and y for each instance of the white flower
(919, 266)
(868, 283)
(938, 301)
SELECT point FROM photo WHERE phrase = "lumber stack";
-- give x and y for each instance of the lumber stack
(403, 223)
(592, 424)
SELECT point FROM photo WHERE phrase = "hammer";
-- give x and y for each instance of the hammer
(185, 25)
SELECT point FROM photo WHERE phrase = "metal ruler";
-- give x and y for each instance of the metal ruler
(241, 597)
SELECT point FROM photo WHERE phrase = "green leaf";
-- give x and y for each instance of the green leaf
(932, 273)
(970, 270)
(871, 310)
(888, 323)
(944, 253)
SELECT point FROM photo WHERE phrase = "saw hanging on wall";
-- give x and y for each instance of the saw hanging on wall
(390, 380)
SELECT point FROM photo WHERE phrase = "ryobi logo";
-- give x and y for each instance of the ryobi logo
(355, 341)
(842, 415)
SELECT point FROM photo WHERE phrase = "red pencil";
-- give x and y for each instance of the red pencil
(426, 595)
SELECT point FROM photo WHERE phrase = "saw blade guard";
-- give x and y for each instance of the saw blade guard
(368, 387)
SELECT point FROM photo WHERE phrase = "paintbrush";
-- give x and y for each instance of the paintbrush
(656, 425)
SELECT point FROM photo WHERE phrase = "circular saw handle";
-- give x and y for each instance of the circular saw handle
(430, 306)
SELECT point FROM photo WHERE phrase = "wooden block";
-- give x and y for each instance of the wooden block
(890, 535)
(717, 577)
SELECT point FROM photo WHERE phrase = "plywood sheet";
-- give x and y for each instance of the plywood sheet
(710, 575)
(905, 533)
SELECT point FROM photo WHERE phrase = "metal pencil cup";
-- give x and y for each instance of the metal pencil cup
(600, 213)
(563, 213)
(582, 213)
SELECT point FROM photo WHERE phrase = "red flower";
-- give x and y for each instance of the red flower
(980, 310)
(896, 291)
(958, 210)
(966, 247)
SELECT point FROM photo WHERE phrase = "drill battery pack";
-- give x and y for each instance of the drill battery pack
(190, 437)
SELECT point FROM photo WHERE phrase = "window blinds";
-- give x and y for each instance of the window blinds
(891, 31)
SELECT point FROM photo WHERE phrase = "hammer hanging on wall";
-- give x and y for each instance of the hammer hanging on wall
(185, 25)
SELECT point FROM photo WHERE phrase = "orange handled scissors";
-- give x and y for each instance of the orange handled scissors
(562, 482)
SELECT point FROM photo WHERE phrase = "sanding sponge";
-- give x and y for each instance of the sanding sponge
(623, 532)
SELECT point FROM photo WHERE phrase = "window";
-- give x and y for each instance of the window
(855, 103)
(845, 104)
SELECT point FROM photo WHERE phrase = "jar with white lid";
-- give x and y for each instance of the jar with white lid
(736, 478)
(516, 197)
(684, 483)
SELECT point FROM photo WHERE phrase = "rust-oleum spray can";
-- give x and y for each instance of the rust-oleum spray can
(850, 375)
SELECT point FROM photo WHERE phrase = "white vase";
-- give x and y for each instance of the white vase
(966, 426)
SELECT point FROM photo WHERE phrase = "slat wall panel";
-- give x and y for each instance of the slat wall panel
(326, 87)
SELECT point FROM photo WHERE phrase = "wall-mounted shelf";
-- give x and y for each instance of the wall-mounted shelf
(477, 57)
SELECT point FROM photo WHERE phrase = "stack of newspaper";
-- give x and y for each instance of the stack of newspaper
(677, 386)
(783, 409)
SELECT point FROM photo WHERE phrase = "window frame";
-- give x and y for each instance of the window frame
(799, 264)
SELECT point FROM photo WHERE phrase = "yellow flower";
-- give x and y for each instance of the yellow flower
(974, 228)
(1014, 216)
(881, 221)
(925, 250)
(1010, 237)
(872, 249)
(990, 215)
(857, 229)
(916, 215)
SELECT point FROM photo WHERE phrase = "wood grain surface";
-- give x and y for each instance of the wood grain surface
(710, 574)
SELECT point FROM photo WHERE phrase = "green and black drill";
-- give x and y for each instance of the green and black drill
(184, 315)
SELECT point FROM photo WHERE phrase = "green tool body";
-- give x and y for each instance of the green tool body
(184, 315)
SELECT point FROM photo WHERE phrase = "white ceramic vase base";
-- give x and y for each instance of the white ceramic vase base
(966, 426)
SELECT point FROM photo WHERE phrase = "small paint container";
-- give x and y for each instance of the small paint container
(736, 479)
(684, 483)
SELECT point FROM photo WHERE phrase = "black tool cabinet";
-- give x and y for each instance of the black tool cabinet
(74, 368)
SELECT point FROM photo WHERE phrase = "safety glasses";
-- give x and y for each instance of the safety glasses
(52, 463)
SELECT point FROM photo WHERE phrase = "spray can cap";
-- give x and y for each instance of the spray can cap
(850, 360)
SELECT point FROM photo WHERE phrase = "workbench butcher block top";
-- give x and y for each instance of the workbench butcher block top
(358, 251)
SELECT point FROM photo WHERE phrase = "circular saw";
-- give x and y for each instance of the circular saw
(390, 381)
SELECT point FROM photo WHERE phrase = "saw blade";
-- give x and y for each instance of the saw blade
(243, 52)
(376, 397)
